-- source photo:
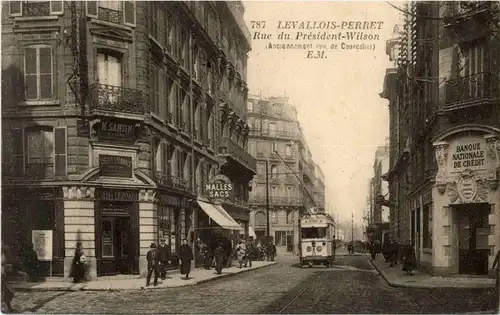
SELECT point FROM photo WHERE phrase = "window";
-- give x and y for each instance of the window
(288, 150)
(274, 171)
(260, 218)
(45, 152)
(274, 191)
(172, 97)
(109, 68)
(280, 238)
(250, 106)
(35, 8)
(107, 238)
(162, 158)
(272, 129)
(155, 86)
(427, 226)
(289, 217)
(274, 216)
(117, 12)
(38, 73)
(274, 147)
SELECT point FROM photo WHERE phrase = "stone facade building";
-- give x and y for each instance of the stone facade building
(275, 128)
(115, 114)
(444, 129)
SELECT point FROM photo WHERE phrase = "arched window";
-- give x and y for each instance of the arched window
(260, 218)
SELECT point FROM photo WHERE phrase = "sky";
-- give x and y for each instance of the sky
(337, 98)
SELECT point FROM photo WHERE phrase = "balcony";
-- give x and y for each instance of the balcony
(473, 90)
(117, 99)
(307, 172)
(276, 201)
(39, 171)
(231, 149)
(163, 178)
(36, 8)
(110, 15)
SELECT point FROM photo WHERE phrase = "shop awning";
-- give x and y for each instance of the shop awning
(219, 215)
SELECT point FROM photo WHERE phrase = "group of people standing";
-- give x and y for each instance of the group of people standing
(158, 258)
(394, 252)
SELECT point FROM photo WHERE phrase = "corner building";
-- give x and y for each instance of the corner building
(447, 136)
(114, 117)
(275, 128)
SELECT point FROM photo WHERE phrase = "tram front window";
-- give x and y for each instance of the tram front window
(313, 232)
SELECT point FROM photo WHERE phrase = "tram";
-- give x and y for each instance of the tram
(317, 239)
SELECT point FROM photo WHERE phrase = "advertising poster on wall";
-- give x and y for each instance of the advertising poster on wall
(42, 244)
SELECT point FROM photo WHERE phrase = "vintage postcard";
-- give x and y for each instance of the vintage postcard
(263, 157)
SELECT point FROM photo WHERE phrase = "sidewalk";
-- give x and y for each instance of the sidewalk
(395, 277)
(174, 279)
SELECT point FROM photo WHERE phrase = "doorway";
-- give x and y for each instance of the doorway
(116, 236)
(473, 231)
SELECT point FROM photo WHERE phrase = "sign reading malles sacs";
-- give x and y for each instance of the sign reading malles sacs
(219, 187)
(468, 155)
(115, 165)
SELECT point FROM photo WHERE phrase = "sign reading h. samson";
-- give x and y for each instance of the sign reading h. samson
(219, 187)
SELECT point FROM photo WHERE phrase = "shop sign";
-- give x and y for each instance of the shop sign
(117, 130)
(42, 244)
(115, 165)
(170, 200)
(118, 195)
(467, 153)
(219, 187)
(115, 210)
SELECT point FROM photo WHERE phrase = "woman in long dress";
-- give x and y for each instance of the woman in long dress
(78, 267)
(219, 258)
(408, 258)
(186, 256)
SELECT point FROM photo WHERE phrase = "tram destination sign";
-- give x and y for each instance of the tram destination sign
(115, 166)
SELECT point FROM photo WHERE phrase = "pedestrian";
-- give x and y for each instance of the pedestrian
(394, 252)
(164, 257)
(219, 258)
(241, 251)
(79, 263)
(207, 257)
(409, 259)
(153, 262)
(7, 292)
(185, 256)
(250, 251)
(373, 252)
(31, 262)
(273, 251)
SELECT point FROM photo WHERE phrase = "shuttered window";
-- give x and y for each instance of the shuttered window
(129, 12)
(60, 149)
(38, 73)
(16, 8)
(17, 152)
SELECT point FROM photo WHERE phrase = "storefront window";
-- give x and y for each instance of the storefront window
(107, 238)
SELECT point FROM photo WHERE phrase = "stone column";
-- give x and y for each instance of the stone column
(148, 226)
(79, 226)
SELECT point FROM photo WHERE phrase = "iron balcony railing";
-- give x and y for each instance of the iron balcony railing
(110, 15)
(230, 148)
(278, 201)
(272, 133)
(117, 99)
(36, 8)
(39, 170)
(470, 89)
(165, 179)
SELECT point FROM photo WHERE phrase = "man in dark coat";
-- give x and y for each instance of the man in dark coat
(152, 257)
(394, 252)
(185, 256)
(207, 256)
(219, 258)
(250, 252)
(164, 257)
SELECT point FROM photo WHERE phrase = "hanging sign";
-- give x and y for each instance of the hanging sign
(219, 187)
(42, 244)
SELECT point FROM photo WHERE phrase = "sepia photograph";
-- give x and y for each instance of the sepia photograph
(250, 157)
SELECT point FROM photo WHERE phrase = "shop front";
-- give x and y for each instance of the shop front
(117, 231)
(169, 225)
(465, 201)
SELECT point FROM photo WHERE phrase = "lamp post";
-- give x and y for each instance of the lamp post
(352, 228)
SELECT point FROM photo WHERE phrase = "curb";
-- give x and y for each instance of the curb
(419, 286)
(142, 288)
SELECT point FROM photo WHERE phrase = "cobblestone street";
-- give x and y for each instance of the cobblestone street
(351, 286)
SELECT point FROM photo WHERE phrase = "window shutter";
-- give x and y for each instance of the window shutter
(16, 8)
(129, 12)
(92, 8)
(60, 150)
(56, 7)
(17, 152)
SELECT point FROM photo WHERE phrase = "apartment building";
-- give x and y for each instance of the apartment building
(277, 143)
(444, 128)
(377, 229)
(319, 188)
(115, 114)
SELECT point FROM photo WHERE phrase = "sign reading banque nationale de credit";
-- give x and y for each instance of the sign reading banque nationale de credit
(219, 187)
